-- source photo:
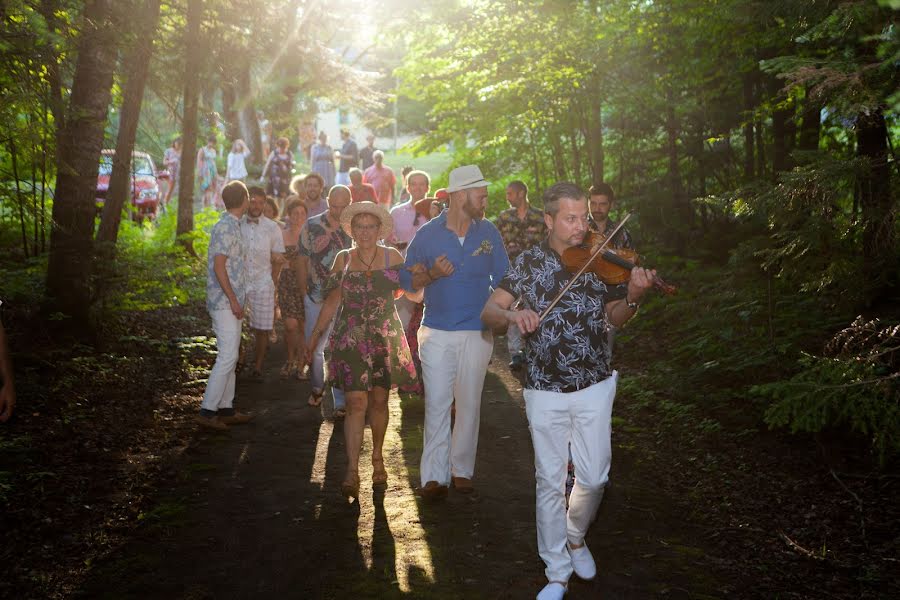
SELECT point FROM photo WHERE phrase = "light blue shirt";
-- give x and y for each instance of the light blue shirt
(454, 303)
(225, 239)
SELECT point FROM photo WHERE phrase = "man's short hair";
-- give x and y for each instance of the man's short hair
(234, 194)
(255, 191)
(297, 183)
(603, 189)
(336, 189)
(558, 191)
(377, 153)
(315, 175)
(354, 171)
(417, 173)
(519, 186)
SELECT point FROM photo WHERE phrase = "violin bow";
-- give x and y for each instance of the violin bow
(596, 253)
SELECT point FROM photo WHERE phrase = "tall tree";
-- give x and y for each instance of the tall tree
(137, 66)
(194, 43)
(69, 270)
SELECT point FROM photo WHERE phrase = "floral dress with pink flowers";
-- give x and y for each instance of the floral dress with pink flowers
(368, 345)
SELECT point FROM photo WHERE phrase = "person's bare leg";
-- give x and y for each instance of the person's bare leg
(292, 330)
(378, 419)
(262, 342)
(354, 424)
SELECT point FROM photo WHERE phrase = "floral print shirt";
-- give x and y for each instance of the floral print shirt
(320, 243)
(225, 239)
(569, 351)
(519, 234)
(622, 239)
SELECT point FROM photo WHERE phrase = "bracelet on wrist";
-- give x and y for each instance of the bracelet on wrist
(631, 305)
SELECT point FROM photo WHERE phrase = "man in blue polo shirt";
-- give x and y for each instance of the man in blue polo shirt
(457, 257)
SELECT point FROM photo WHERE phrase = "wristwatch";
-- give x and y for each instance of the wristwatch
(631, 305)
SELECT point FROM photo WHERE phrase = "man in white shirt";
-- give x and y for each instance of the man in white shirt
(406, 223)
(265, 258)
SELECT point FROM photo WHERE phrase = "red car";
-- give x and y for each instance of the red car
(145, 191)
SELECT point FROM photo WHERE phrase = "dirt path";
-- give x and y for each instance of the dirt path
(256, 513)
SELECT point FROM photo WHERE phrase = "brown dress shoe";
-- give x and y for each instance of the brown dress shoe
(210, 423)
(238, 418)
(463, 485)
(433, 491)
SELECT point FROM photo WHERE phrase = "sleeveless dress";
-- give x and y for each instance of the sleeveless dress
(322, 160)
(289, 298)
(207, 172)
(368, 345)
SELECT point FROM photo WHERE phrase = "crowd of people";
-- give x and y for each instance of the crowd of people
(378, 294)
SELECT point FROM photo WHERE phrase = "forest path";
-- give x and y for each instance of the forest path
(256, 513)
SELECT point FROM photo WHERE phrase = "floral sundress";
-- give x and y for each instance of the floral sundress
(368, 345)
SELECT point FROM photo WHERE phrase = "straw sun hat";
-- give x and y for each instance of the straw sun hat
(368, 208)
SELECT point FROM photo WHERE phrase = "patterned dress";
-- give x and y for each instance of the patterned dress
(207, 169)
(289, 298)
(368, 345)
(280, 174)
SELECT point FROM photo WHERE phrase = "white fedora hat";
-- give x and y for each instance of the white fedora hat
(465, 178)
(369, 208)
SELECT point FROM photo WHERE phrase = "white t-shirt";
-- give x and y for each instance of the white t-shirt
(261, 240)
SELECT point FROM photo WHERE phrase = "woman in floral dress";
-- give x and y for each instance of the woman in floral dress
(290, 294)
(369, 352)
(279, 169)
(206, 170)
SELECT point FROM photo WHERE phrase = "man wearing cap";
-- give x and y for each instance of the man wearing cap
(457, 257)
(407, 221)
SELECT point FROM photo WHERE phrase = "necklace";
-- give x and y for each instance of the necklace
(368, 264)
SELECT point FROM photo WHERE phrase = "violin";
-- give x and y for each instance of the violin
(611, 265)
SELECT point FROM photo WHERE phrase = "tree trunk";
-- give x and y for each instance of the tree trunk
(597, 157)
(48, 9)
(121, 180)
(760, 150)
(535, 163)
(192, 65)
(782, 131)
(681, 209)
(748, 126)
(576, 153)
(559, 159)
(13, 153)
(71, 237)
(229, 111)
(249, 124)
(810, 125)
(876, 202)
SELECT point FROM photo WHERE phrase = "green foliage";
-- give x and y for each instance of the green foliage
(854, 385)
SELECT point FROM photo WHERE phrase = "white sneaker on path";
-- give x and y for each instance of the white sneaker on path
(582, 562)
(552, 591)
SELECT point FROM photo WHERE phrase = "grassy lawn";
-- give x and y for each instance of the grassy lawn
(434, 164)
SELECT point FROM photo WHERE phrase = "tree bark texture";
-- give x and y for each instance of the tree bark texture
(596, 141)
(810, 125)
(249, 125)
(876, 202)
(748, 127)
(137, 67)
(71, 237)
(192, 65)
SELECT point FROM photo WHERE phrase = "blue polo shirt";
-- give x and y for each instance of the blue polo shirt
(454, 303)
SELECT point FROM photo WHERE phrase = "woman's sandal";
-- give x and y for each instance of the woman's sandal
(286, 370)
(379, 474)
(302, 373)
(315, 398)
(350, 487)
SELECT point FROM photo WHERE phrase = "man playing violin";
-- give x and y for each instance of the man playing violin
(570, 386)
(602, 198)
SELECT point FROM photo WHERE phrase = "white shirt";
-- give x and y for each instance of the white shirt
(405, 226)
(261, 240)
(236, 167)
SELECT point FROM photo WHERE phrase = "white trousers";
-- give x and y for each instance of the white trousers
(454, 364)
(317, 369)
(555, 420)
(220, 385)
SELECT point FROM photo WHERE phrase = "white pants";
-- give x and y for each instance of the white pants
(317, 369)
(342, 178)
(454, 364)
(555, 420)
(220, 385)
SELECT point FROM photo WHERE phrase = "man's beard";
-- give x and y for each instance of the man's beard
(253, 213)
(477, 214)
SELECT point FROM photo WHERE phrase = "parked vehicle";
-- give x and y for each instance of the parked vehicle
(145, 179)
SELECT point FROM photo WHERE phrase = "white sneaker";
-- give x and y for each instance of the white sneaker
(552, 591)
(582, 562)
